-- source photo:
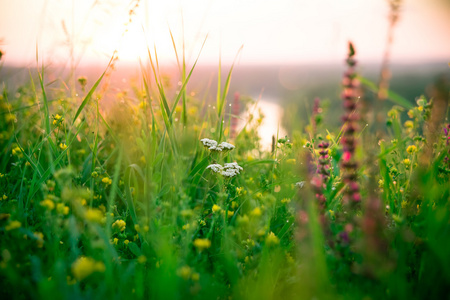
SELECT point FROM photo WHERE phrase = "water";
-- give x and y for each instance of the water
(271, 124)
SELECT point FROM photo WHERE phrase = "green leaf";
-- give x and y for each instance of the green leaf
(134, 249)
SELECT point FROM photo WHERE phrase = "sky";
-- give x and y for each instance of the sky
(270, 31)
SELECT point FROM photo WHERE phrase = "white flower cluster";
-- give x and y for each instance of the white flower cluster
(227, 170)
(300, 184)
(214, 146)
(216, 168)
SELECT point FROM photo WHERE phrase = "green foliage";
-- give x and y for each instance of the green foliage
(127, 204)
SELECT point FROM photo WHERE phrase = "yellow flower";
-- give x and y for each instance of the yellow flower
(239, 190)
(142, 259)
(13, 225)
(48, 204)
(289, 259)
(94, 215)
(285, 200)
(261, 232)
(407, 162)
(4, 197)
(57, 120)
(102, 208)
(186, 213)
(85, 266)
(184, 272)
(195, 276)
(9, 118)
(94, 174)
(234, 204)
(39, 239)
(81, 151)
(202, 244)
(256, 212)
(17, 152)
(411, 149)
(119, 225)
(230, 213)
(63, 146)
(216, 208)
(62, 209)
(107, 180)
(272, 239)
(192, 111)
(409, 124)
(126, 242)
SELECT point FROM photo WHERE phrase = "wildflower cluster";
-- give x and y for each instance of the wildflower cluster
(126, 210)
(227, 170)
(85, 266)
(324, 161)
(58, 120)
(348, 140)
(214, 146)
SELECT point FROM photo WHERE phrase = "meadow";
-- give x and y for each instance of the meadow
(161, 196)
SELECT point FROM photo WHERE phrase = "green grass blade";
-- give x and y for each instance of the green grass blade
(37, 185)
(45, 108)
(183, 87)
(89, 95)
(222, 101)
(393, 97)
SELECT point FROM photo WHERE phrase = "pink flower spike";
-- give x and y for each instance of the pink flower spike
(347, 156)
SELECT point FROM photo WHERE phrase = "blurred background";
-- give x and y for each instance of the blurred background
(293, 50)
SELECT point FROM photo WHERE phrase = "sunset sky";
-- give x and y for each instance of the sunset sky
(281, 31)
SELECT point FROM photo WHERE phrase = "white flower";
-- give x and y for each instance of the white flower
(228, 170)
(212, 145)
(233, 165)
(216, 168)
(226, 146)
(231, 169)
(300, 184)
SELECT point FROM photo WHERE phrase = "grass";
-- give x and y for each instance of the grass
(124, 204)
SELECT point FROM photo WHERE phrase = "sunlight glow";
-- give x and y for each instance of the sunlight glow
(282, 31)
